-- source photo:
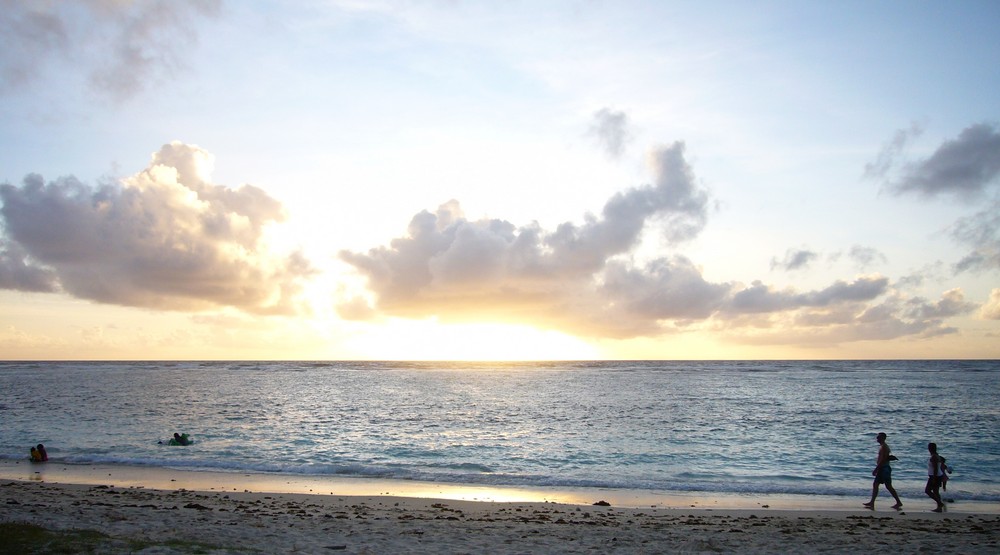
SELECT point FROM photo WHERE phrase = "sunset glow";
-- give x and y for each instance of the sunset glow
(404, 340)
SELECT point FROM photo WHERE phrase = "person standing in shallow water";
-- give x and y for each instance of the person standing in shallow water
(883, 473)
(934, 474)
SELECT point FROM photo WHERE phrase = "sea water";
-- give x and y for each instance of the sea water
(789, 427)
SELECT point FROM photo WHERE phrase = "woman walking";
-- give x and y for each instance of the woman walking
(934, 477)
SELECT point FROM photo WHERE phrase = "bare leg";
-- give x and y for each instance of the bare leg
(871, 503)
(892, 490)
(932, 491)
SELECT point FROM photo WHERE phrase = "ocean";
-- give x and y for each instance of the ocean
(741, 427)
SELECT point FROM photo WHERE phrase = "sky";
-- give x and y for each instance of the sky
(345, 179)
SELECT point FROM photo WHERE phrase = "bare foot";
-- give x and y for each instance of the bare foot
(869, 505)
(937, 510)
(897, 506)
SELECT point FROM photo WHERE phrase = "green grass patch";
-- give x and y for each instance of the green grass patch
(30, 538)
(21, 538)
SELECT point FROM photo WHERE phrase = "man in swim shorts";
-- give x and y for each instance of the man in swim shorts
(883, 473)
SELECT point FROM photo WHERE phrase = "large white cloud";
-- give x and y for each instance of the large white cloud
(991, 310)
(584, 279)
(165, 237)
(566, 278)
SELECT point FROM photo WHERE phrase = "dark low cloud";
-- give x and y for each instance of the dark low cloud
(611, 130)
(120, 47)
(639, 300)
(795, 259)
(965, 167)
(897, 317)
(164, 238)
(951, 303)
(883, 318)
(762, 298)
(19, 273)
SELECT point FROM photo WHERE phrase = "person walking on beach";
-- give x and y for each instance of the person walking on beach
(883, 473)
(934, 477)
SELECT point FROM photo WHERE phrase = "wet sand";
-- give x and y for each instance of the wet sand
(240, 513)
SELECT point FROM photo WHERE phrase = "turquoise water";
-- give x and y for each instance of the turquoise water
(728, 427)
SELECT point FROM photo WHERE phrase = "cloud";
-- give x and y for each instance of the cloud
(121, 47)
(991, 310)
(898, 317)
(883, 322)
(952, 303)
(18, 273)
(795, 259)
(490, 268)
(584, 279)
(802, 258)
(762, 298)
(887, 157)
(32, 36)
(611, 130)
(981, 231)
(865, 257)
(639, 299)
(164, 238)
(965, 166)
(847, 318)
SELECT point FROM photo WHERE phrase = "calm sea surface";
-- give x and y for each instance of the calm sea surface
(744, 427)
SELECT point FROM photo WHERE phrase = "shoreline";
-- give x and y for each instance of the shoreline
(183, 511)
(134, 476)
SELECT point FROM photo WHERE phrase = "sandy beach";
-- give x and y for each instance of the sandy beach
(126, 506)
